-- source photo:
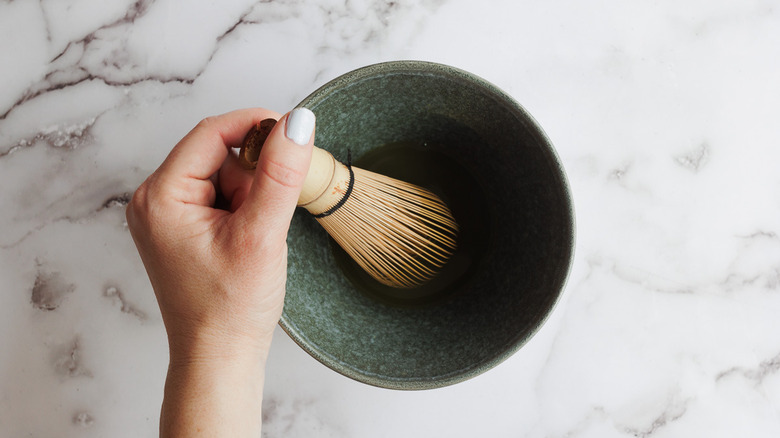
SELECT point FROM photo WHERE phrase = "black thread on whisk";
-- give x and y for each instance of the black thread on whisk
(343, 200)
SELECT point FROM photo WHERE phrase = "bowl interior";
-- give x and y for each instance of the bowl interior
(517, 218)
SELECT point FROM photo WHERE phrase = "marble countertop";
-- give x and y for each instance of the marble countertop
(665, 116)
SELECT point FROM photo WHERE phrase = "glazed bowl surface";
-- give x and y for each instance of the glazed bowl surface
(482, 152)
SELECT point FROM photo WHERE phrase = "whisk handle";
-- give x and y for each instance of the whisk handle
(326, 183)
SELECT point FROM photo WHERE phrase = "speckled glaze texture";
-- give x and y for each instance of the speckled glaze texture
(510, 290)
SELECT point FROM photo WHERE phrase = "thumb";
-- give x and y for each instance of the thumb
(281, 169)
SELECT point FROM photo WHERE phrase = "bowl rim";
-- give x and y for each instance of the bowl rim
(357, 75)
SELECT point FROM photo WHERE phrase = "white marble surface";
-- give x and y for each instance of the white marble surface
(665, 114)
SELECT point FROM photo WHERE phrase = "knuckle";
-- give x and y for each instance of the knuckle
(208, 127)
(282, 173)
(206, 122)
(141, 209)
(136, 200)
(134, 207)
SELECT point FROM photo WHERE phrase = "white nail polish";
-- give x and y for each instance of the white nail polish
(300, 125)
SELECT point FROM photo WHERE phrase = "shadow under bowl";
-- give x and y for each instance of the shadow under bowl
(463, 138)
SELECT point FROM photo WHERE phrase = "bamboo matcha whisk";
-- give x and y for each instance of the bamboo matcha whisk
(399, 233)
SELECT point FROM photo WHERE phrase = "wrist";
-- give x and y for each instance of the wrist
(211, 347)
(213, 394)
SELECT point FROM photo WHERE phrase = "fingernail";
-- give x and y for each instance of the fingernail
(300, 125)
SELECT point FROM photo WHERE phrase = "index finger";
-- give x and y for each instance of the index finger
(203, 150)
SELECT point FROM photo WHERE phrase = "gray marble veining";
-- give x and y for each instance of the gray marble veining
(664, 115)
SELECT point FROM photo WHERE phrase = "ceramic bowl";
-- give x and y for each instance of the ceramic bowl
(471, 143)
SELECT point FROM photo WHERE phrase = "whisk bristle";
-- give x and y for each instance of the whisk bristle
(401, 234)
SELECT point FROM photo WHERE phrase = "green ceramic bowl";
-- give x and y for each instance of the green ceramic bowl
(465, 139)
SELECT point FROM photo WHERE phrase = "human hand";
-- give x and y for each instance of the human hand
(219, 275)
